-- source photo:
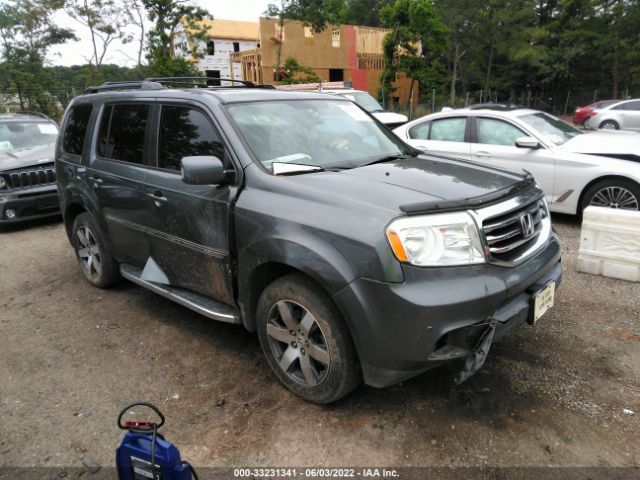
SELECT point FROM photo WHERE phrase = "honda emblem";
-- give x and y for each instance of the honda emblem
(526, 223)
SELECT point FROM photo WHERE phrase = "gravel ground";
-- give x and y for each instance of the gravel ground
(71, 356)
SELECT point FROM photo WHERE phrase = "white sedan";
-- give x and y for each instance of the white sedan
(575, 169)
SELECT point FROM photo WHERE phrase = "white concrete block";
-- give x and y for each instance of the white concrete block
(610, 243)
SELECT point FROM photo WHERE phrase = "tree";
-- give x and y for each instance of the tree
(105, 23)
(27, 32)
(416, 43)
(295, 72)
(363, 12)
(135, 14)
(171, 17)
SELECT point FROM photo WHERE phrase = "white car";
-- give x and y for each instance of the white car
(371, 105)
(574, 168)
(623, 115)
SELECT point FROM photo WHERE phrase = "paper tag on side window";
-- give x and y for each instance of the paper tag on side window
(47, 128)
(355, 112)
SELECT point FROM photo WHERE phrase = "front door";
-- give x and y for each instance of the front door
(116, 175)
(189, 224)
(632, 115)
(495, 145)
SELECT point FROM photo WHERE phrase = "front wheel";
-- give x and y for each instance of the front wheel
(616, 193)
(305, 340)
(609, 125)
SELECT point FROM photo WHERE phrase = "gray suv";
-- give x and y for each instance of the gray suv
(301, 217)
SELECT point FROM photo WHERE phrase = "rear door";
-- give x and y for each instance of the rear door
(632, 115)
(116, 175)
(189, 224)
(445, 136)
(494, 143)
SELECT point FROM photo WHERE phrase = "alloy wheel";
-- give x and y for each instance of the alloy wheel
(298, 343)
(89, 252)
(615, 197)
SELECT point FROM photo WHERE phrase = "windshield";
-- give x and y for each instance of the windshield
(313, 132)
(22, 135)
(365, 100)
(553, 129)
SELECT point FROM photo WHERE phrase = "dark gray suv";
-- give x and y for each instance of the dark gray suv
(352, 255)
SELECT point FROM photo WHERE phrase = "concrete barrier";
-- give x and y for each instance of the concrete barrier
(610, 243)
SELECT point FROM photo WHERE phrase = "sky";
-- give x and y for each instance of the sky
(78, 53)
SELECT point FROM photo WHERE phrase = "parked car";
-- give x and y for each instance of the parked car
(623, 115)
(27, 174)
(371, 105)
(582, 114)
(352, 255)
(360, 97)
(574, 168)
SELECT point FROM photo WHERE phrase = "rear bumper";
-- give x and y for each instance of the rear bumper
(438, 315)
(29, 204)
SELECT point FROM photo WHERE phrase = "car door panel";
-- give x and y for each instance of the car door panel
(444, 136)
(189, 224)
(486, 148)
(118, 184)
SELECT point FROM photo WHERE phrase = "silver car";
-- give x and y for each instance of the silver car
(575, 169)
(624, 115)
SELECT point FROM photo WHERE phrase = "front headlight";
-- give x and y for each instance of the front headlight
(436, 240)
(3, 183)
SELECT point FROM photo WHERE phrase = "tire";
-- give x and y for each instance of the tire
(300, 327)
(96, 263)
(609, 125)
(614, 193)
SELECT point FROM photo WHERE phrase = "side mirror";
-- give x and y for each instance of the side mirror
(528, 142)
(203, 170)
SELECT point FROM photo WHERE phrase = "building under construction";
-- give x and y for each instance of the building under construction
(338, 53)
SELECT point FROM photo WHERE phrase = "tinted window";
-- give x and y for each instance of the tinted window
(184, 133)
(497, 132)
(420, 132)
(448, 129)
(635, 105)
(76, 129)
(121, 134)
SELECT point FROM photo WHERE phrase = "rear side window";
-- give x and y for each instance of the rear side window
(121, 134)
(76, 129)
(448, 129)
(186, 132)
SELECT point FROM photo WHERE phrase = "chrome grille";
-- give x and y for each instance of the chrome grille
(505, 233)
(31, 177)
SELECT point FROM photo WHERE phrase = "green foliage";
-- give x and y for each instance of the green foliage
(295, 72)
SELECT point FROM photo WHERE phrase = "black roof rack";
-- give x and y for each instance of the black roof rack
(157, 83)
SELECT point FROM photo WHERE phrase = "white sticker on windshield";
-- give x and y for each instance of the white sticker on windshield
(355, 112)
(47, 128)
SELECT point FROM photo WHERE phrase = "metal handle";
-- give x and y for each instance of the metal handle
(483, 154)
(157, 197)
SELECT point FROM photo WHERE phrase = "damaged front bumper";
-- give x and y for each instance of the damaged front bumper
(26, 204)
(440, 315)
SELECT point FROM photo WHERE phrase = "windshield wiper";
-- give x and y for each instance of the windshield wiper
(386, 158)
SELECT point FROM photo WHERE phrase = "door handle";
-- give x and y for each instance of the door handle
(158, 198)
(96, 180)
(483, 154)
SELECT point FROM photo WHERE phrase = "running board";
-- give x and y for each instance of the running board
(196, 302)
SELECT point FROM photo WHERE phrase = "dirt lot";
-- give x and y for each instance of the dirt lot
(71, 356)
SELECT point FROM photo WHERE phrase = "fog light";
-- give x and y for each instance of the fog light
(10, 213)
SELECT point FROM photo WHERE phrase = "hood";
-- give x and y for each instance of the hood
(390, 117)
(418, 184)
(617, 144)
(27, 157)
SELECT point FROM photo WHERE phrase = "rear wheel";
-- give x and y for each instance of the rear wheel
(97, 264)
(616, 193)
(305, 340)
(610, 125)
